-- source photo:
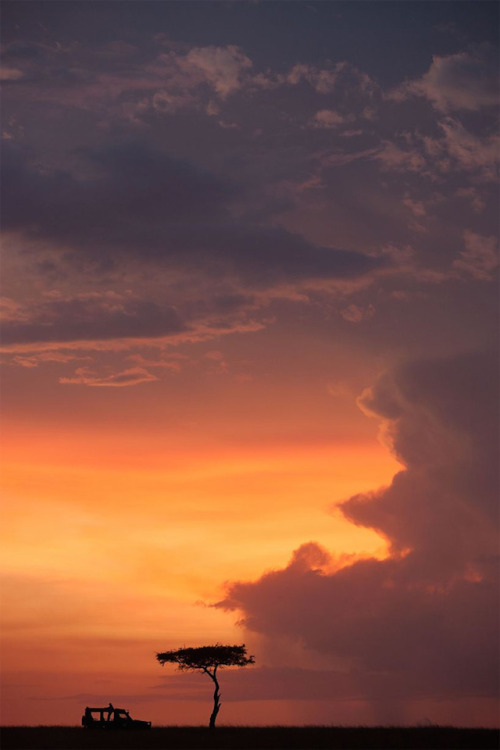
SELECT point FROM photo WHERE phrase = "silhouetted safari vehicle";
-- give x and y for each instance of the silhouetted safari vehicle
(110, 718)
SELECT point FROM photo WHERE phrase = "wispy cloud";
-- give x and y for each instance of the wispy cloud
(123, 379)
(91, 318)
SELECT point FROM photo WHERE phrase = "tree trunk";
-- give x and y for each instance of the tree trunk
(217, 704)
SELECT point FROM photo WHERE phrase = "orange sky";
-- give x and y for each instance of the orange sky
(106, 541)
(126, 509)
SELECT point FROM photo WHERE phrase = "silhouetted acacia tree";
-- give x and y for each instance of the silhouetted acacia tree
(208, 659)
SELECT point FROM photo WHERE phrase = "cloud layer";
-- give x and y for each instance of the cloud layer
(142, 203)
(423, 622)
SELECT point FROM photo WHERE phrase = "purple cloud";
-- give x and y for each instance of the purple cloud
(425, 619)
(141, 203)
(91, 318)
(461, 81)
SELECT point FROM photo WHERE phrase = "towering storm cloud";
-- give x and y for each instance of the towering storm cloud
(423, 622)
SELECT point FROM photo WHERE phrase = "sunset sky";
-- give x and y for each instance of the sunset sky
(249, 387)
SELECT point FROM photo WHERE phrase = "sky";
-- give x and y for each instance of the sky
(249, 359)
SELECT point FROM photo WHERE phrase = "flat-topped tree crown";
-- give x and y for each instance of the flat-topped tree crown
(208, 659)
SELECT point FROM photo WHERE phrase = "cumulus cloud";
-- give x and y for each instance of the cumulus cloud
(416, 207)
(119, 75)
(328, 118)
(480, 257)
(422, 622)
(12, 310)
(462, 81)
(474, 197)
(471, 152)
(221, 67)
(356, 313)
(180, 80)
(339, 77)
(447, 440)
(400, 157)
(323, 80)
(457, 150)
(120, 80)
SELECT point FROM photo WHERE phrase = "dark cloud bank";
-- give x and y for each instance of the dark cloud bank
(422, 623)
(132, 201)
(91, 319)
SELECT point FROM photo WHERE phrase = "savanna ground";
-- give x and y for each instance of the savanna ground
(251, 738)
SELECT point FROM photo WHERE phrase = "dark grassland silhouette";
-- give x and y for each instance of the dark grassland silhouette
(253, 738)
(208, 659)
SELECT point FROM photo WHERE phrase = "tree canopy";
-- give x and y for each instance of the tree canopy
(207, 659)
